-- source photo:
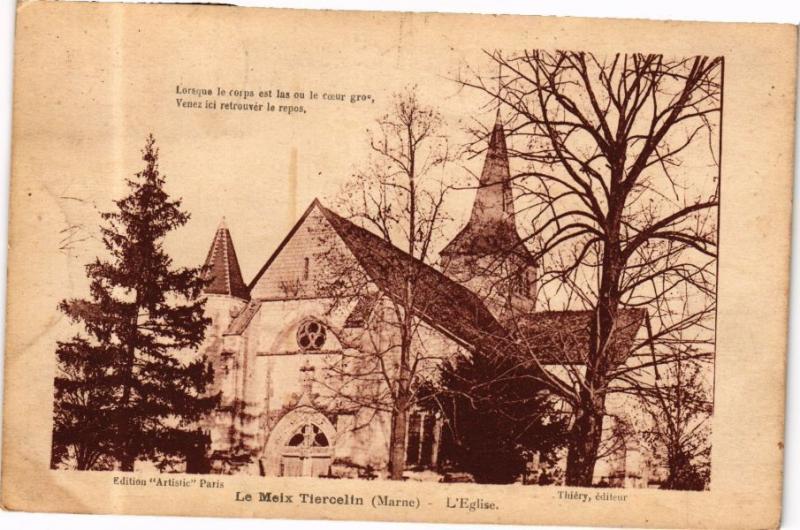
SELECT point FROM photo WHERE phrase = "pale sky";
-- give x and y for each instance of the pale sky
(226, 163)
(98, 82)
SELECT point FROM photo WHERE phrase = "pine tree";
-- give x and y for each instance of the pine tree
(133, 386)
(496, 414)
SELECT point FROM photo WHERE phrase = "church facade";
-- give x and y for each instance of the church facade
(280, 345)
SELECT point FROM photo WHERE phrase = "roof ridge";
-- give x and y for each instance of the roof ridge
(405, 255)
(226, 234)
(477, 320)
(448, 305)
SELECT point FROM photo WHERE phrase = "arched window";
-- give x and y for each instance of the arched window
(308, 435)
(421, 439)
(311, 335)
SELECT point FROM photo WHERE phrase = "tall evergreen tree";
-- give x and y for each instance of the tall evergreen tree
(133, 386)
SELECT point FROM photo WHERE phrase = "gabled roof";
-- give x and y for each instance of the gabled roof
(440, 301)
(222, 266)
(315, 203)
(553, 337)
(562, 337)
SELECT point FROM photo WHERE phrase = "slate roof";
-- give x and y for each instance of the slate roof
(443, 303)
(360, 313)
(562, 337)
(491, 227)
(222, 267)
(487, 239)
(553, 337)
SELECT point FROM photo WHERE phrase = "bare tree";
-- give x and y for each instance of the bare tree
(398, 197)
(679, 409)
(620, 193)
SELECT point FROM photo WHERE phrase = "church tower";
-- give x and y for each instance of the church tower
(487, 255)
(226, 293)
(226, 296)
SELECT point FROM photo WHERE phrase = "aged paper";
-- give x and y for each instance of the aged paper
(392, 266)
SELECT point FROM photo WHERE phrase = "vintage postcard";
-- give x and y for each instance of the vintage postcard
(395, 266)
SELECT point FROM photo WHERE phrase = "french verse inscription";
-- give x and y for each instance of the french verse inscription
(259, 100)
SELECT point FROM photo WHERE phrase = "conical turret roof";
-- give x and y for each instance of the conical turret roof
(222, 266)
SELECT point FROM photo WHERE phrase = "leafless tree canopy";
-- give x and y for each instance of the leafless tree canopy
(398, 194)
(619, 191)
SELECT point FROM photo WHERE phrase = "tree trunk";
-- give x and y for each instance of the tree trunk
(583, 446)
(397, 443)
(125, 430)
(82, 459)
(587, 431)
(126, 462)
(397, 440)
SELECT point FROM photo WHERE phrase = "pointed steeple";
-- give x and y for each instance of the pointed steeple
(491, 227)
(222, 267)
(487, 255)
(494, 201)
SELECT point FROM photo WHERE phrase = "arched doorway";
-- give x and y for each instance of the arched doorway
(308, 453)
(300, 445)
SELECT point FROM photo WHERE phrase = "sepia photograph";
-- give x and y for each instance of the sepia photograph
(482, 269)
(560, 333)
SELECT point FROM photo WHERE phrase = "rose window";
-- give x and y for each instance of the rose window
(311, 335)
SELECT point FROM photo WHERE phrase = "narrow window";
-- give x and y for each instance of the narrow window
(414, 438)
(305, 269)
(427, 440)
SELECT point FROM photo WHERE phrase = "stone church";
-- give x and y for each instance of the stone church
(276, 342)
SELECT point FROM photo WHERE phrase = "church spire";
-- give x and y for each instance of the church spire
(494, 200)
(491, 227)
(222, 266)
(488, 256)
